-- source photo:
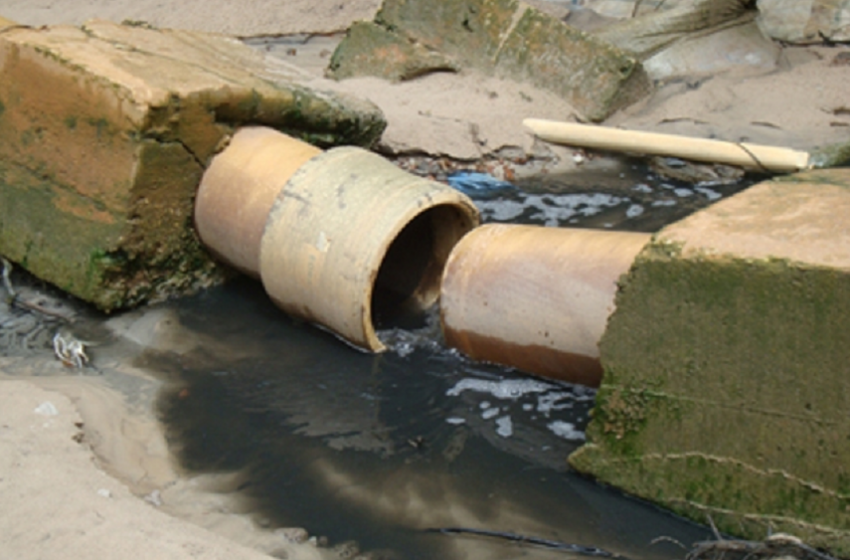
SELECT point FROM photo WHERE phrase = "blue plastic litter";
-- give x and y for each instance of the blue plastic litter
(473, 183)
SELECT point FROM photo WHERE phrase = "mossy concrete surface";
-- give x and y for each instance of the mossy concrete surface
(726, 389)
(505, 38)
(105, 131)
(379, 52)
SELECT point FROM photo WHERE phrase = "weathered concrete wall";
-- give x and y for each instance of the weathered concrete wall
(727, 365)
(105, 131)
(506, 38)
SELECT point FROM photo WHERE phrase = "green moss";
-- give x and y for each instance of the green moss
(2, 108)
(326, 123)
(102, 126)
(725, 390)
(71, 122)
(57, 250)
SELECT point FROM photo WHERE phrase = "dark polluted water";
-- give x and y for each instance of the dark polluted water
(376, 449)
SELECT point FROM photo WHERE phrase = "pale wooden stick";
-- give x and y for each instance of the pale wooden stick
(749, 156)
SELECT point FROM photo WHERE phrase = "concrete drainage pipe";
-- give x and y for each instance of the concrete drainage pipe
(345, 234)
(238, 189)
(535, 298)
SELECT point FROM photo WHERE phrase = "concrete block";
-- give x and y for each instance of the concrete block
(376, 51)
(105, 131)
(505, 38)
(726, 366)
(596, 77)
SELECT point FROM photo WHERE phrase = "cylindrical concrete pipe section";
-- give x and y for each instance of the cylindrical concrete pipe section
(335, 236)
(535, 298)
(352, 235)
(238, 189)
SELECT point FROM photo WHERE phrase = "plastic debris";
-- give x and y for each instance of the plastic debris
(473, 183)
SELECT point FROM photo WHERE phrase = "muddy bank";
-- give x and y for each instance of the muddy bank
(62, 500)
(87, 471)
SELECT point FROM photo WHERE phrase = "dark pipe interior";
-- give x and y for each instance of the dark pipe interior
(408, 280)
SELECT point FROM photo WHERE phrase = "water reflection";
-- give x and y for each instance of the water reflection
(375, 449)
(628, 197)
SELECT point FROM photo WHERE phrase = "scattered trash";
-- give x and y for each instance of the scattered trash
(46, 408)
(154, 498)
(475, 183)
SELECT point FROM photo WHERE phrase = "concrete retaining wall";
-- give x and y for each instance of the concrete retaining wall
(727, 366)
(105, 131)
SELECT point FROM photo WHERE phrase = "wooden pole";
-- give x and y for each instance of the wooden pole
(749, 156)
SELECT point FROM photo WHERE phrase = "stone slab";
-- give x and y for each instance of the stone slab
(727, 362)
(507, 39)
(384, 54)
(105, 131)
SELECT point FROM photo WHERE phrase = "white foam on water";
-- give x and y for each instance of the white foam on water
(634, 211)
(566, 430)
(710, 194)
(659, 203)
(511, 389)
(504, 426)
(548, 402)
(490, 413)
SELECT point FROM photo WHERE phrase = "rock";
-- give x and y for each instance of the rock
(788, 21)
(651, 32)
(379, 52)
(504, 38)
(736, 45)
(806, 21)
(726, 363)
(105, 131)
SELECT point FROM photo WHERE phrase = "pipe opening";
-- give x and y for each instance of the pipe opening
(408, 280)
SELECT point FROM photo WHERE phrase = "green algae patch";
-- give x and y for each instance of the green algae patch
(105, 133)
(61, 244)
(726, 364)
(379, 52)
(595, 76)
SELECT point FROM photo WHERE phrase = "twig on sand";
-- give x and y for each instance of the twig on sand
(523, 539)
(665, 538)
(14, 299)
(774, 546)
(7, 283)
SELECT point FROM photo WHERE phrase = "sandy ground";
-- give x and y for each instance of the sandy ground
(793, 97)
(59, 503)
(60, 435)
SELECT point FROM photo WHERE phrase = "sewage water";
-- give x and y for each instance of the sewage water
(377, 449)
(368, 452)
